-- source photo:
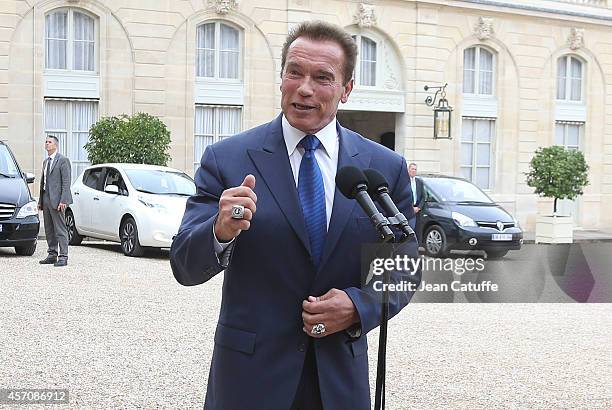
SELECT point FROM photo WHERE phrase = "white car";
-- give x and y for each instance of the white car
(137, 205)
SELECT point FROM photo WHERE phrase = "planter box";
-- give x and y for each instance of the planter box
(554, 229)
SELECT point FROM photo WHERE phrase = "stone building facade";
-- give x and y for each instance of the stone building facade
(521, 74)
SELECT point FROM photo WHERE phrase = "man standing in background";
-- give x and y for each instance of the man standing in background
(416, 187)
(54, 197)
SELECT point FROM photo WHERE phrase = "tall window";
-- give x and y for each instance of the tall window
(365, 71)
(569, 79)
(70, 122)
(568, 134)
(212, 124)
(478, 71)
(70, 41)
(368, 62)
(217, 51)
(476, 150)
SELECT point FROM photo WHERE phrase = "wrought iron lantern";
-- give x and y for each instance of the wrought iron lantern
(442, 112)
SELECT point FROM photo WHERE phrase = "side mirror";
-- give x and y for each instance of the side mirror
(29, 177)
(112, 189)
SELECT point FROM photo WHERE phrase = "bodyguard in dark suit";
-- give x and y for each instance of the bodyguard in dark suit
(293, 318)
(54, 197)
(416, 189)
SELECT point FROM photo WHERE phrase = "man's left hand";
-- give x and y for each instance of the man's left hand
(416, 209)
(61, 207)
(334, 309)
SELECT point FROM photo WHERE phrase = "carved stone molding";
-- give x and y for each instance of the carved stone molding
(576, 38)
(376, 100)
(391, 82)
(223, 7)
(366, 16)
(484, 28)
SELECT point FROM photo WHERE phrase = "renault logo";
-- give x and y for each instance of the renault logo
(500, 226)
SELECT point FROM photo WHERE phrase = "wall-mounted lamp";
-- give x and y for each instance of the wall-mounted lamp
(442, 112)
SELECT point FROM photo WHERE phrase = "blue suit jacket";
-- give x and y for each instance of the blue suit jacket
(259, 343)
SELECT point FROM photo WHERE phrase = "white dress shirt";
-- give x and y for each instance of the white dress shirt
(326, 155)
(414, 190)
(50, 160)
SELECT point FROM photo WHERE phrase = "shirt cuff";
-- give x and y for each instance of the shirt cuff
(223, 250)
(220, 247)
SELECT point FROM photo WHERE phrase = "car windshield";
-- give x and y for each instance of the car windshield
(161, 182)
(456, 190)
(8, 169)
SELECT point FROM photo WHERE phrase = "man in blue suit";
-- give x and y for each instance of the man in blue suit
(294, 314)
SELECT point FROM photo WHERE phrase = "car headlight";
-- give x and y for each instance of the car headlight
(516, 223)
(462, 220)
(29, 209)
(152, 205)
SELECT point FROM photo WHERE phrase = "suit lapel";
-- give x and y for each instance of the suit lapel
(350, 154)
(272, 162)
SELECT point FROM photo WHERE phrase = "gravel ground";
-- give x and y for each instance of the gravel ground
(121, 332)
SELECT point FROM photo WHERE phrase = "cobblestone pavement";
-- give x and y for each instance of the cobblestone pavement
(121, 332)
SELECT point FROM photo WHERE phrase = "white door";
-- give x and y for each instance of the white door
(70, 122)
(569, 135)
(110, 207)
(84, 199)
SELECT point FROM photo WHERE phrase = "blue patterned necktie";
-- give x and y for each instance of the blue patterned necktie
(312, 197)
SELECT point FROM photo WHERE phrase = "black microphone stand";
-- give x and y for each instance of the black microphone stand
(353, 184)
(381, 369)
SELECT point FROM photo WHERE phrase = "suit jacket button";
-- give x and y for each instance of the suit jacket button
(302, 347)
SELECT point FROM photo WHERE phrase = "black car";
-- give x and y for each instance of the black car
(19, 221)
(457, 215)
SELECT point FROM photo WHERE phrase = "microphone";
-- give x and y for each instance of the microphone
(352, 182)
(378, 188)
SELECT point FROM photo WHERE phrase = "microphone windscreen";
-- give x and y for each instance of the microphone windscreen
(375, 181)
(347, 178)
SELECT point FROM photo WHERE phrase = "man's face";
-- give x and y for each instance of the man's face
(311, 85)
(412, 171)
(50, 145)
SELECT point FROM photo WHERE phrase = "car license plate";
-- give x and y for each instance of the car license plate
(501, 237)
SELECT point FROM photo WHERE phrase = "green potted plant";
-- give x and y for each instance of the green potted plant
(138, 139)
(558, 173)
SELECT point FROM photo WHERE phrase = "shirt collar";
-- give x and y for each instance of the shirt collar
(52, 156)
(293, 136)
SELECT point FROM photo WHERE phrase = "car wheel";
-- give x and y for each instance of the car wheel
(435, 242)
(496, 254)
(129, 238)
(27, 250)
(73, 235)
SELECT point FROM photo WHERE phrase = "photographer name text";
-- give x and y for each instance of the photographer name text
(457, 286)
